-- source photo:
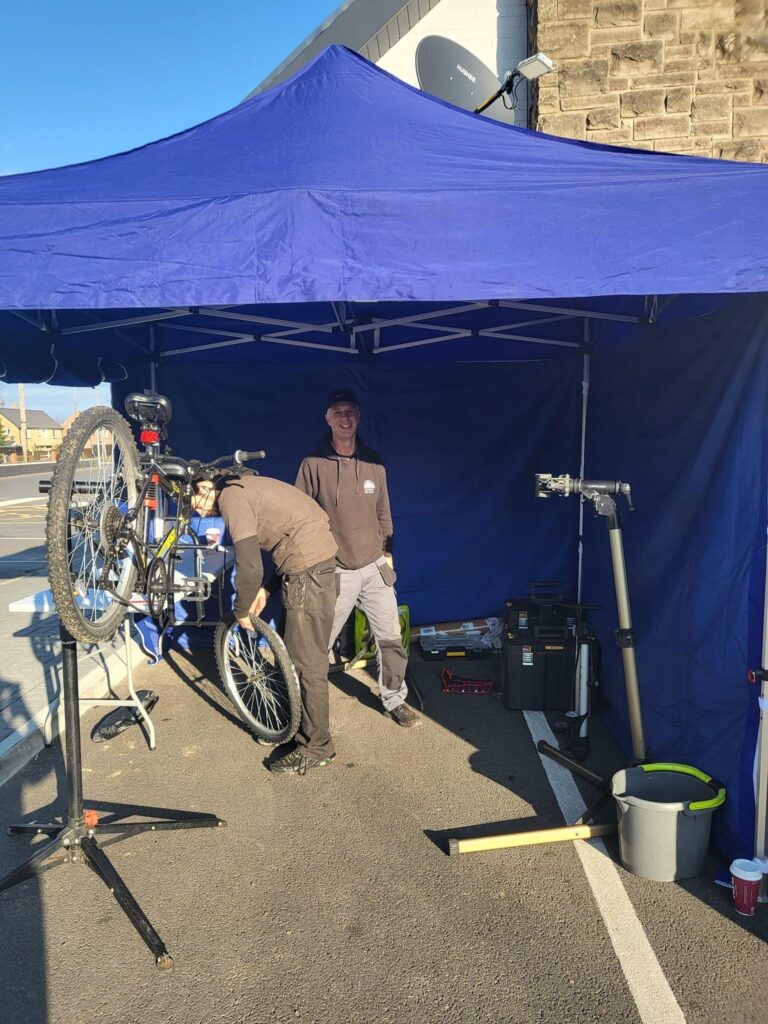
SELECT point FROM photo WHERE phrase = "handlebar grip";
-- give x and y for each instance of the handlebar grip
(242, 456)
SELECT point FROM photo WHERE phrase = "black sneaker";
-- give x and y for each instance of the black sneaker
(405, 716)
(298, 762)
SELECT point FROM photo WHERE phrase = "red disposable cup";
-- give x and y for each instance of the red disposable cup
(746, 876)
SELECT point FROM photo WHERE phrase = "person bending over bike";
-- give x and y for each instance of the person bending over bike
(266, 514)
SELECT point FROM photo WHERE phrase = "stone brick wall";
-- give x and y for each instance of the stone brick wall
(682, 76)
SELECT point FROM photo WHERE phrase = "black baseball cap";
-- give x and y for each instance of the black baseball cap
(341, 395)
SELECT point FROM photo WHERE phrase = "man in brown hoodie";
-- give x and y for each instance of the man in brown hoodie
(349, 482)
(268, 515)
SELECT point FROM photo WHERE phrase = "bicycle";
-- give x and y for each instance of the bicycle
(119, 522)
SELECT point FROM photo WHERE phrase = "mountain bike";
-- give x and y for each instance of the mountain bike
(118, 534)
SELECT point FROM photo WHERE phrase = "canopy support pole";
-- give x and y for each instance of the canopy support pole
(152, 360)
(584, 407)
(761, 782)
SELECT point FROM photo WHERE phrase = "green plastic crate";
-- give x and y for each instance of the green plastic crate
(362, 631)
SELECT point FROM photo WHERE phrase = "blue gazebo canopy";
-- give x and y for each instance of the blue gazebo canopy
(460, 273)
(346, 184)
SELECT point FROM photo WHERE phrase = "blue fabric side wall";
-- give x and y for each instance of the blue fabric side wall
(681, 415)
(461, 443)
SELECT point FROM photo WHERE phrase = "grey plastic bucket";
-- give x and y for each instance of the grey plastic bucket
(665, 812)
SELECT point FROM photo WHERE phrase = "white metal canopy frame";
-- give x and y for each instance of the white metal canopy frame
(351, 328)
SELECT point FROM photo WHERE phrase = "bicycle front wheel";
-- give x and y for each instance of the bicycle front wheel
(94, 484)
(259, 678)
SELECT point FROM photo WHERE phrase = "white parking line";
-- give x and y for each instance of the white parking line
(22, 501)
(655, 1001)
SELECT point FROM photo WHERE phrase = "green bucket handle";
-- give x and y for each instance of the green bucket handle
(686, 769)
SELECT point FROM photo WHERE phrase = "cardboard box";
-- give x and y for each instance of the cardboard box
(466, 628)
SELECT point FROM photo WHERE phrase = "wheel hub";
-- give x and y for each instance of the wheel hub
(110, 525)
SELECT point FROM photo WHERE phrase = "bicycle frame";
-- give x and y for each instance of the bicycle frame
(155, 540)
(162, 476)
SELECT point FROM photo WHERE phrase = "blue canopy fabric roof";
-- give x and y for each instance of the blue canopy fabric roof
(345, 184)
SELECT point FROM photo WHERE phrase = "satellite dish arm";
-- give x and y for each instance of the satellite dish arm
(505, 87)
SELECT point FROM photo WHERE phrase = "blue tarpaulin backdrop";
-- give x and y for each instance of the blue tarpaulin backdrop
(682, 414)
(343, 228)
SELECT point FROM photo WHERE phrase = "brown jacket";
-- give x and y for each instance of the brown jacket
(266, 514)
(353, 492)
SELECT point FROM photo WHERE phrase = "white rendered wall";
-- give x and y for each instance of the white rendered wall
(495, 31)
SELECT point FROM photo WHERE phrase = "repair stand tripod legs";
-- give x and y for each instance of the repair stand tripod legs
(76, 842)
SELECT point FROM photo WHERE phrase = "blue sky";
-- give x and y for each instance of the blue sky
(83, 79)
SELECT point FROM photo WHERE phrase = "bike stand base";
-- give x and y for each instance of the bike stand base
(76, 843)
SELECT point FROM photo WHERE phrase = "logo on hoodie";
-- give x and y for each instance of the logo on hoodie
(369, 486)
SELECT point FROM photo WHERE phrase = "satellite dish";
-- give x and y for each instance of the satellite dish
(449, 71)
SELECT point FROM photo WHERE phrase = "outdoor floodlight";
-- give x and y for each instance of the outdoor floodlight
(529, 68)
(534, 67)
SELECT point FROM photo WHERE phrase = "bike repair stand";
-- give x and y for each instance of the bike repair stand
(75, 840)
(605, 506)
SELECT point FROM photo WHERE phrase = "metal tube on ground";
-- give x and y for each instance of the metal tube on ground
(566, 833)
(578, 769)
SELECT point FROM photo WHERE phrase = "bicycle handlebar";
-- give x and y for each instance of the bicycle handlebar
(241, 456)
(236, 460)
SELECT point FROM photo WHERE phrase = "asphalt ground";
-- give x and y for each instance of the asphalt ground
(22, 527)
(22, 530)
(30, 652)
(28, 655)
(330, 898)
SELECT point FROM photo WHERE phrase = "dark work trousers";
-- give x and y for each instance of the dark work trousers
(309, 599)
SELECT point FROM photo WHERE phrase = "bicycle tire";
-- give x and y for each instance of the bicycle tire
(273, 710)
(67, 518)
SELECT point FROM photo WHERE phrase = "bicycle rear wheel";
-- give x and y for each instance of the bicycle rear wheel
(94, 483)
(259, 678)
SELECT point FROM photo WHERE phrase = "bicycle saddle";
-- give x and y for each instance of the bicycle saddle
(149, 409)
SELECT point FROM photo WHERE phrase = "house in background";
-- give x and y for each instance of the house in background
(44, 434)
(679, 76)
